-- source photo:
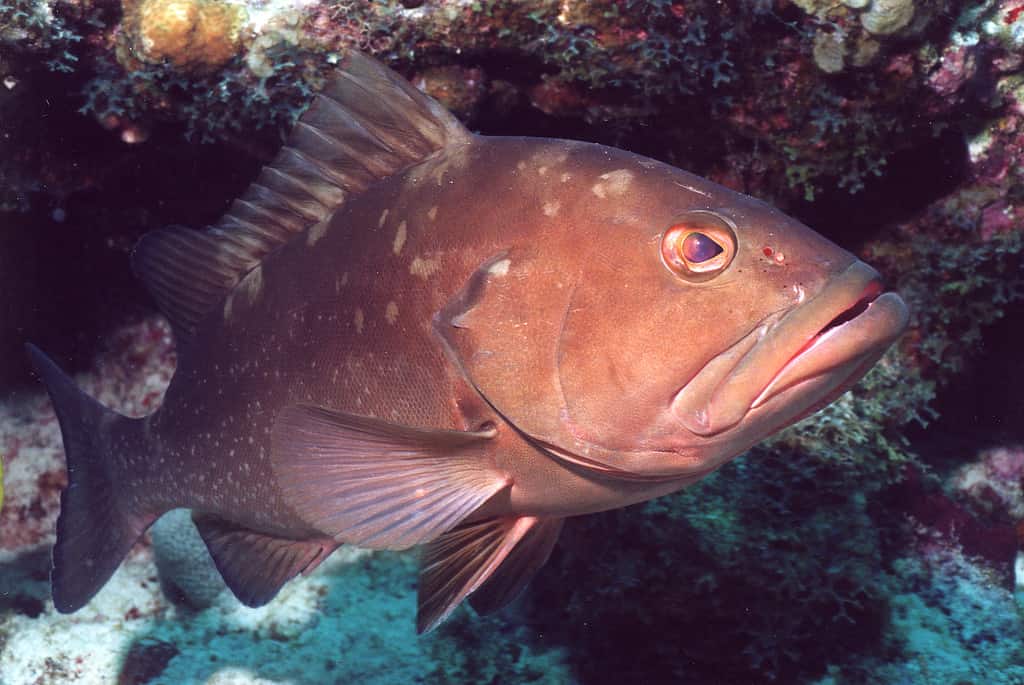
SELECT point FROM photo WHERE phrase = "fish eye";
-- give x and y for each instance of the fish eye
(698, 246)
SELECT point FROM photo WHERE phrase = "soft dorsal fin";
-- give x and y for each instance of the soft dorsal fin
(367, 124)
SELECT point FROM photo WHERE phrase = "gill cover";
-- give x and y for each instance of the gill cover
(502, 329)
(576, 358)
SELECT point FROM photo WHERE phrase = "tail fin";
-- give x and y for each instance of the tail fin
(96, 527)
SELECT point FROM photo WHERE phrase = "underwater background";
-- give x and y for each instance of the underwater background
(878, 541)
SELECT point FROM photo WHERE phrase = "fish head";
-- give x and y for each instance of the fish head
(671, 323)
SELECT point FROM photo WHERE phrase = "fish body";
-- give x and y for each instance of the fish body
(406, 334)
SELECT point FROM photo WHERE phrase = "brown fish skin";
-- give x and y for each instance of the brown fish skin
(460, 351)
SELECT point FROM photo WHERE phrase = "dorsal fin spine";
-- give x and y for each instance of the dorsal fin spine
(252, 215)
(367, 124)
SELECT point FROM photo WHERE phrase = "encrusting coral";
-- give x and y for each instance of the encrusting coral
(194, 35)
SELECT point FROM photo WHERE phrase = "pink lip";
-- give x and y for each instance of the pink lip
(831, 334)
(872, 324)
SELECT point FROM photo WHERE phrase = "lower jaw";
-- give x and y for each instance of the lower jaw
(849, 380)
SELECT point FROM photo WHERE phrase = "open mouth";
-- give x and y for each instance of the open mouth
(861, 331)
(831, 339)
(871, 293)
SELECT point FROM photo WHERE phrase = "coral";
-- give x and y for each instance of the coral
(214, 106)
(994, 483)
(55, 29)
(187, 572)
(958, 286)
(457, 88)
(473, 649)
(196, 35)
(953, 621)
(948, 520)
(828, 52)
(742, 578)
(760, 571)
(765, 77)
(30, 448)
(886, 17)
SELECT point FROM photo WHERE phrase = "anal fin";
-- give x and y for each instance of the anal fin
(496, 557)
(256, 565)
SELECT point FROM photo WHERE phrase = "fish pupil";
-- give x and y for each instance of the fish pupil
(698, 248)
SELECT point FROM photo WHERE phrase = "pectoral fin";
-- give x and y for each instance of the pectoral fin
(376, 484)
(496, 557)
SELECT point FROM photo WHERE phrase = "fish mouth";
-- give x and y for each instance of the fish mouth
(798, 360)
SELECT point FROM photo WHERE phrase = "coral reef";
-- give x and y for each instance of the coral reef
(952, 620)
(874, 542)
(630, 65)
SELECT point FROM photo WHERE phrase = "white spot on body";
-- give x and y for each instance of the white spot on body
(551, 208)
(317, 231)
(432, 212)
(566, 176)
(500, 268)
(391, 313)
(549, 156)
(400, 236)
(382, 219)
(424, 268)
(359, 320)
(613, 183)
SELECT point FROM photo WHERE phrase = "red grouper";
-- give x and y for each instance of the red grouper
(407, 334)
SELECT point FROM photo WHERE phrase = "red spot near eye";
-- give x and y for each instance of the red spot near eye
(1013, 15)
(768, 252)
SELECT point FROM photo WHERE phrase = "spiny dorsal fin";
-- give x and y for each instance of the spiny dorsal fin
(367, 124)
